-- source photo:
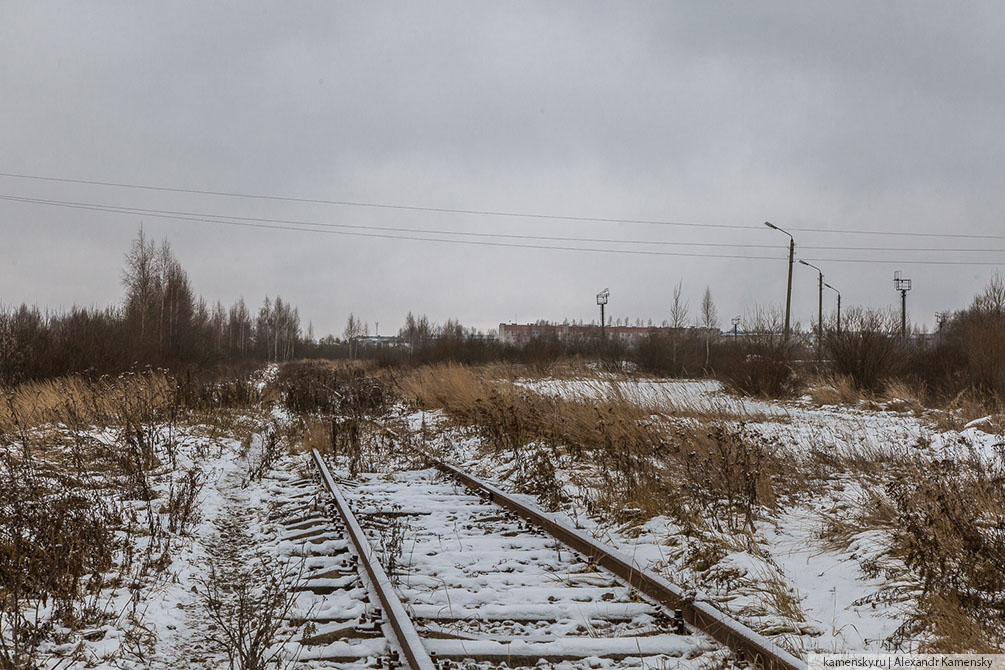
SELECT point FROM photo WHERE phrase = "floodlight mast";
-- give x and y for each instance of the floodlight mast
(602, 300)
(788, 291)
(902, 285)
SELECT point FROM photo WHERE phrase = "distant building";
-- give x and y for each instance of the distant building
(519, 333)
(378, 340)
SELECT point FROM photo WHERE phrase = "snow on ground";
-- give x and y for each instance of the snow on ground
(156, 617)
(844, 429)
(792, 583)
(788, 583)
(479, 581)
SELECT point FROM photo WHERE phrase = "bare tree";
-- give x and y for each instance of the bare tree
(709, 321)
(141, 281)
(992, 300)
(709, 314)
(353, 329)
(678, 308)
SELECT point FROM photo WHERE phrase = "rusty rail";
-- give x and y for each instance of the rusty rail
(405, 634)
(747, 644)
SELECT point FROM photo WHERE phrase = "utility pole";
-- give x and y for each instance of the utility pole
(736, 322)
(902, 285)
(839, 306)
(820, 308)
(788, 290)
(602, 300)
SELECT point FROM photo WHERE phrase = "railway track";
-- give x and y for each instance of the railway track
(337, 613)
(476, 578)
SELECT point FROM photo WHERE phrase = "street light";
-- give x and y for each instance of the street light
(839, 306)
(788, 291)
(820, 308)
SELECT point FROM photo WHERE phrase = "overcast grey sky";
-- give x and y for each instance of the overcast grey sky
(883, 117)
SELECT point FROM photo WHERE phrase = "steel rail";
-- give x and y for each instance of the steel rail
(404, 632)
(747, 644)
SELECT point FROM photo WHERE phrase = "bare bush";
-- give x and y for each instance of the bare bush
(56, 543)
(183, 512)
(761, 365)
(250, 606)
(981, 332)
(268, 453)
(393, 529)
(729, 474)
(869, 349)
(950, 529)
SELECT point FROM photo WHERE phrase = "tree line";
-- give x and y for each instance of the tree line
(160, 322)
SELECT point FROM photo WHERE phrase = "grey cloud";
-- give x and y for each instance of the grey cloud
(831, 115)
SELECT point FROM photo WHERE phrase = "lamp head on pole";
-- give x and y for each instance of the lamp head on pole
(810, 265)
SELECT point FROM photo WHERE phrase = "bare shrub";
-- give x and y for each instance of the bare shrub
(729, 474)
(347, 398)
(183, 495)
(681, 352)
(761, 366)
(318, 388)
(536, 475)
(868, 350)
(268, 453)
(250, 606)
(56, 543)
(980, 332)
(950, 529)
(393, 529)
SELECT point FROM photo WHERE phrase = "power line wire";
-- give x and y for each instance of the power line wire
(202, 216)
(249, 224)
(484, 212)
(376, 205)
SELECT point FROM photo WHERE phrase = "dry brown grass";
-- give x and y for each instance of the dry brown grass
(902, 396)
(834, 390)
(78, 402)
(945, 523)
(316, 434)
(968, 406)
(952, 628)
(643, 462)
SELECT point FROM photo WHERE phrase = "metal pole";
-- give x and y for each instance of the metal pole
(903, 313)
(603, 334)
(820, 308)
(839, 314)
(820, 319)
(839, 306)
(788, 291)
